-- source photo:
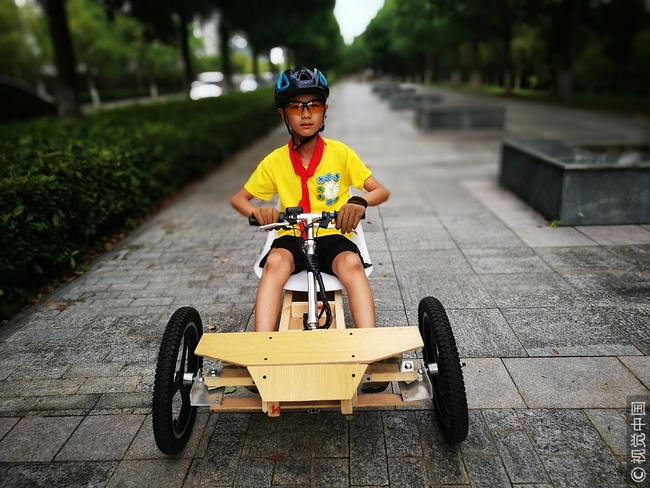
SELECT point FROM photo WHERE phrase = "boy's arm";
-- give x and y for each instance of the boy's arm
(241, 201)
(377, 193)
(350, 214)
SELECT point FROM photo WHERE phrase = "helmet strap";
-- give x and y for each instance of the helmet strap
(297, 145)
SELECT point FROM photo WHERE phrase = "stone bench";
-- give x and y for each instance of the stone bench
(460, 117)
(391, 93)
(407, 101)
(385, 89)
(579, 185)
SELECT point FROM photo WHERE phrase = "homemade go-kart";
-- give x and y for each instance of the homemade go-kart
(319, 369)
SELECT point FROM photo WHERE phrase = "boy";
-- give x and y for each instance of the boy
(316, 174)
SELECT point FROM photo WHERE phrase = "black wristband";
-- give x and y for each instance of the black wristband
(358, 201)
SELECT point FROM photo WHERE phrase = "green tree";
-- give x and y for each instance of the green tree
(641, 59)
(593, 69)
(167, 21)
(382, 56)
(155, 60)
(102, 47)
(527, 52)
(508, 16)
(313, 35)
(307, 29)
(480, 27)
(618, 25)
(18, 38)
(67, 87)
(417, 42)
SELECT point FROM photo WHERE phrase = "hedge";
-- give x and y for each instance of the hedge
(64, 186)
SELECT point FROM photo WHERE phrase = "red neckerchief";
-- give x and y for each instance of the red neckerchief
(308, 172)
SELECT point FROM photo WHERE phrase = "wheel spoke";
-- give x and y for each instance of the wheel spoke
(181, 367)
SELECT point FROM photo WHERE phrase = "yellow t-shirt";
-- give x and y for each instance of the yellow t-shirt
(329, 188)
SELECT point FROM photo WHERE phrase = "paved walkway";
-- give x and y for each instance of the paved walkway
(552, 323)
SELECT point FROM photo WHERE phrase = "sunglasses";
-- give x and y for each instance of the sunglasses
(313, 106)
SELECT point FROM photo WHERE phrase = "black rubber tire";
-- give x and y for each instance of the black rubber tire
(448, 386)
(172, 414)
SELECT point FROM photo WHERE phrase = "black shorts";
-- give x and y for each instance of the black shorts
(327, 248)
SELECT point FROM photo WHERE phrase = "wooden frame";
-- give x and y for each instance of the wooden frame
(314, 369)
(294, 305)
(319, 368)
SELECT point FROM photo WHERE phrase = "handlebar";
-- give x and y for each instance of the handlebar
(291, 217)
(295, 215)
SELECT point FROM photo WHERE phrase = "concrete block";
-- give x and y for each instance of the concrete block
(385, 89)
(406, 100)
(460, 117)
(574, 185)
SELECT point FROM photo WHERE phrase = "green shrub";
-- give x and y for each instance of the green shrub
(66, 185)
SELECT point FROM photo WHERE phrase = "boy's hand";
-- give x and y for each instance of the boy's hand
(349, 217)
(266, 215)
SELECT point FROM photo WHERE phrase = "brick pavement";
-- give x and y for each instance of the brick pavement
(552, 323)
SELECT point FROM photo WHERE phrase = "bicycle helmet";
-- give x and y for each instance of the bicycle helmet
(300, 81)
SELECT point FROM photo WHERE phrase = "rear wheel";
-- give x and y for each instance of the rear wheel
(172, 414)
(443, 367)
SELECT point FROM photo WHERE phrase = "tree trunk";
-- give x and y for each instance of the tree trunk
(153, 89)
(475, 78)
(67, 86)
(565, 82)
(256, 65)
(507, 57)
(519, 74)
(274, 69)
(188, 70)
(92, 89)
(429, 63)
(573, 49)
(456, 77)
(224, 39)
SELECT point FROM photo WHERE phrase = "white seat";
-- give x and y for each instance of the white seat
(298, 281)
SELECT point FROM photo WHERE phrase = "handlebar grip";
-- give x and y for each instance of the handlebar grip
(252, 221)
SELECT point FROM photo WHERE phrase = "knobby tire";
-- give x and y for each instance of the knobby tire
(172, 414)
(448, 385)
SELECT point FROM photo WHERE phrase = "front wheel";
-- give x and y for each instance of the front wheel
(172, 414)
(443, 367)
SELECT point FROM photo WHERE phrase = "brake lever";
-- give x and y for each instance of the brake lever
(325, 221)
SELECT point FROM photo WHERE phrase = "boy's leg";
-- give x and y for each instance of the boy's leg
(349, 270)
(277, 269)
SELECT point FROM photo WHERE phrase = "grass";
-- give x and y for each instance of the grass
(629, 105)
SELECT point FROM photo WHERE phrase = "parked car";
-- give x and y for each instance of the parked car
(208, 84)
(248, 83)
(20, 100)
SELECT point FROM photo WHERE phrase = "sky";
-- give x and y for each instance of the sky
(354, 16)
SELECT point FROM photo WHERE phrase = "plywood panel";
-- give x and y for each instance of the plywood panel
(307, 382)
(362, 401)
(309, 347)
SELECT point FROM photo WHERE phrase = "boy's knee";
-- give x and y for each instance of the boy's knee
(347, 262)
(277, 261)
